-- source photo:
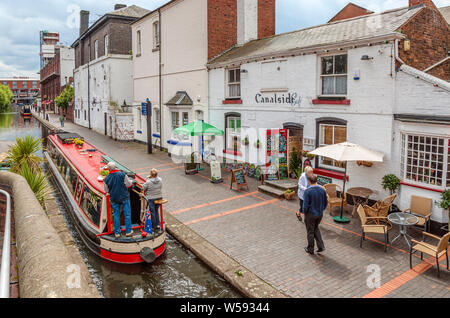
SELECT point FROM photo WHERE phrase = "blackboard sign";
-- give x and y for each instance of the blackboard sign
(238, 177)
(245, 168)
(323, 180)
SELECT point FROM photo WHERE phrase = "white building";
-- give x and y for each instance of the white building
(339, 82)
(171, 46)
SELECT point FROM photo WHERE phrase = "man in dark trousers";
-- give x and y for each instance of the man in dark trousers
(117, 184)
(314, 203)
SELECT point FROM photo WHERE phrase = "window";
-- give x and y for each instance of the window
(175, 120)
(233, 132)
(5, 83)
(91, 204)
(185, 119)
(334, 75)
(234, 83)
(138, 43)
(96, 49)
(14, 84)
(78, 190)
(330, 134)
(426, 159)
(157, 122)
(24, 84)
(156, 39)
(106, 42)
(34, 85)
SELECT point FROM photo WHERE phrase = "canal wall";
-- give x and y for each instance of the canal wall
(45, 267)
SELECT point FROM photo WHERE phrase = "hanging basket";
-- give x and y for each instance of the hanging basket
(365, 163)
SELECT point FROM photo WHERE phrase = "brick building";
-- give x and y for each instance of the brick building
(351, 10)
(323, 85)
(55, 75)
(25, 90)
(182, 36)
(102, 75)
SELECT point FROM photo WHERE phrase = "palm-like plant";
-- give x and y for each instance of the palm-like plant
(37, 180)
(24, 151)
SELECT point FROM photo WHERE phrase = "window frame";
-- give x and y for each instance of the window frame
(404, 149)
(236, 70)
(236, 134)
(334, 75)
(138, 43)
(95, 49)
(177, 125)
(157, 122)
(156, 35)
(330, 121)
(106, 44)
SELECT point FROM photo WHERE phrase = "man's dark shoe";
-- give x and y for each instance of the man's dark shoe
(308, 251)
(320, 250)
(299, 217)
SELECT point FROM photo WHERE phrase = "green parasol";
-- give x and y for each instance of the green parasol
(199, 128)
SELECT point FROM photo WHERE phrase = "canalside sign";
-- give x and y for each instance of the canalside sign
(292, 99)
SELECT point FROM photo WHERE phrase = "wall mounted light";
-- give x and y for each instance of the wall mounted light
(366, 58)
(244, 71)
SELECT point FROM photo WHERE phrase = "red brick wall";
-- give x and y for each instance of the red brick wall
(428, 3)
(350, 11)
(222, 26)
(429, 34)
(441, 71)
(266, 18)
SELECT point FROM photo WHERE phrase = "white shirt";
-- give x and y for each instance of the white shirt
(303, 184)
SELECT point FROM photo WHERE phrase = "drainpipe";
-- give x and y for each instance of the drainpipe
(160, 86)
(89, 86)
(397, 57)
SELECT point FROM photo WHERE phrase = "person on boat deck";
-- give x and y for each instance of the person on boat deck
(153, 191)
(303, 185)
(117, 184)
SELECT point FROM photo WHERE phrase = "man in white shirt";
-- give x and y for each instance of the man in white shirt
(303, 184)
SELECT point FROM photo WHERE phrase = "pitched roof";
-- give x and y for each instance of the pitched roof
(351, 10)
(359, 28)
(180, 98)
(445, 11)
(131, 11)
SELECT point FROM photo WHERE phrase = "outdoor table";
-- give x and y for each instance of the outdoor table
(403, 220)
(360, 195)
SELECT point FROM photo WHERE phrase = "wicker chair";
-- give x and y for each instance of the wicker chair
(380, 210)
(372, 228)
(333, 198)
(435, 251)
(421, 207)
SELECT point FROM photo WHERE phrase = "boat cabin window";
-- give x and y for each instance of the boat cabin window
(91, 204)
(78, 192)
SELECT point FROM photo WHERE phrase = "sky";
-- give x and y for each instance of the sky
(21, 21)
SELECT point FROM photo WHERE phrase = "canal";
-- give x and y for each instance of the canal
(178, 273)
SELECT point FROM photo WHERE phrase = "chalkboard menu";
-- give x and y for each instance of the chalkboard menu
(238, 177)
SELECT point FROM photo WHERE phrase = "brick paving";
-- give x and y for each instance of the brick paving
(264, 234)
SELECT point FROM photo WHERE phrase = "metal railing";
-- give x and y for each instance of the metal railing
(6, 253)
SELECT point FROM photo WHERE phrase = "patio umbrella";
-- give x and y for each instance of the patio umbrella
(199, 128)
(345, 152)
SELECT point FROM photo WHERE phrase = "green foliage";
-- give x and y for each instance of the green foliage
(24, 151)
(390, 182)
(66, 97)
(37, 181)
(6, 97)
(445, 200)
(295, 164)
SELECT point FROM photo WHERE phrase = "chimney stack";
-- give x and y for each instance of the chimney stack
(119, 6)
(84, 21)
(247, 21)
(427, 3)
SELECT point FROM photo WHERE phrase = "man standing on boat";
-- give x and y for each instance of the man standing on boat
(116, 185)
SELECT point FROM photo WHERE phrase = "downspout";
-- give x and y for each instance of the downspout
(160, 86)
(89, 86)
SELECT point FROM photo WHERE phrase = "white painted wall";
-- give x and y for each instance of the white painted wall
(374, 99)
(67, 64)
(184, 57)
(247, 21)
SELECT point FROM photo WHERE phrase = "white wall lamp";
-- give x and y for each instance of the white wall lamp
(366, 58)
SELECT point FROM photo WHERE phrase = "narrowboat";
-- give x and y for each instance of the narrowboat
(76, 169)
(25, 111)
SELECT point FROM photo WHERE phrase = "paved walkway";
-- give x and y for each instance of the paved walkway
(263, 234)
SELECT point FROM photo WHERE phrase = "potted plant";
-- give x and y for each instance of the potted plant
(258, 144)
(390, 182)
(289, 194)
(245, 141)
(78, 142)
(103, 173)
(445, 204)
(295, 164)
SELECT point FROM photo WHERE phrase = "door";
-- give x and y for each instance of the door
(295, 142)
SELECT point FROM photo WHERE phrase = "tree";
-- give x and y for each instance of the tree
(6, 97)
(66, 97)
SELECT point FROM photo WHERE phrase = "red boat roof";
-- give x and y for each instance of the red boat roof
(88, 167)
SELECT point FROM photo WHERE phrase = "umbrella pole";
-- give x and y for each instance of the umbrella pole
(342, 218)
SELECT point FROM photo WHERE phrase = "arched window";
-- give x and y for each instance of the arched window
(330, 131)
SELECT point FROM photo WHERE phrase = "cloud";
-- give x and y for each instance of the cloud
(21, 21)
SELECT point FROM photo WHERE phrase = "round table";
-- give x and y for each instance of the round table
(403, 220)
(360, 195)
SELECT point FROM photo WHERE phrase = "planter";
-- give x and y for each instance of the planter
(289, 196)
(365, 163)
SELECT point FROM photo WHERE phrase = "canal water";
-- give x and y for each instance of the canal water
(178, 273)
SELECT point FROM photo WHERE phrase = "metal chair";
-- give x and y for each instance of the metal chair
(435, 251)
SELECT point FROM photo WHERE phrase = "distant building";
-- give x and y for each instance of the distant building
(48, 42)
(103, 72)
(56, 74)
(351, 10)
(24, 89)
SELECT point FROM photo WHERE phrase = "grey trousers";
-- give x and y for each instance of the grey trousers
(313, 232)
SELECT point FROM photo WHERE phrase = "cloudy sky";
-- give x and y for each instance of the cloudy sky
(21, 21)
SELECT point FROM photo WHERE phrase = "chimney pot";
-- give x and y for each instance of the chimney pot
(119, 6)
